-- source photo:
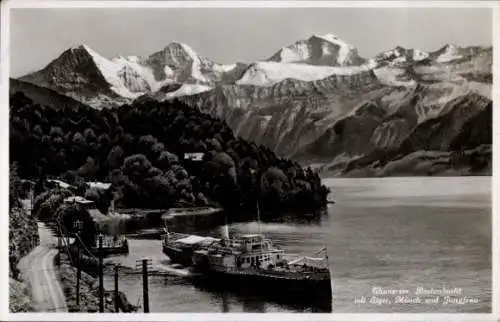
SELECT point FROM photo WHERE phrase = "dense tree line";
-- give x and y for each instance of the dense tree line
(23, 229)
(140, 148)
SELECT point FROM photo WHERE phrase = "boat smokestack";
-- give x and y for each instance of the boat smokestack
(225, 231)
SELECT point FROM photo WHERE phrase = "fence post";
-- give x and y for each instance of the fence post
(78, 226)
(101, 282)
(78, 275)
(59, 246)
(145, 294)
(117, 308)
(145, 285)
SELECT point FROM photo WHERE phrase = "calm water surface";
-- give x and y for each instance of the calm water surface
(393, 233)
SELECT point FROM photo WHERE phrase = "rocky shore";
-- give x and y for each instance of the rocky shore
(472, 162)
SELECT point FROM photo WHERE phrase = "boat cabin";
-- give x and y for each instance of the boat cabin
(247, 251)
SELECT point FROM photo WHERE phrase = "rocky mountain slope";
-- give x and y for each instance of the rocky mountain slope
(43, 95)
(85, 75)
(315, 100)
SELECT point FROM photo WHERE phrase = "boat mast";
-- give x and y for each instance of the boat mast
(166, 226)
(258, 210)
(226, 228)
(258, 216)
(260, 233)
(257, 201)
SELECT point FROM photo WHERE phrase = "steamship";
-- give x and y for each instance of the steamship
(252, 263)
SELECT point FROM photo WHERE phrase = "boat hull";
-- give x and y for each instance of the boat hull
(313, 293)
(108, 251)
(180, 256)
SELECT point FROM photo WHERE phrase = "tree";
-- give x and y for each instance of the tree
(140, 148)
(14, 187)
(136, 166)
(100, 197)
(89, 169)
(166, 160)
(115, 157)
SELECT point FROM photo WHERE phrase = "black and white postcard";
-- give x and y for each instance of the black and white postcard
(239, 157)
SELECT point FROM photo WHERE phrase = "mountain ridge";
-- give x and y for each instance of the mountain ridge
(349, 110)
(82, 73)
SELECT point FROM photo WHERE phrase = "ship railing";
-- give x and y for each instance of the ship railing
(231, 243)
(171, 235)
(237, 242)
(222, 249)
(294, 259)
(111, 242)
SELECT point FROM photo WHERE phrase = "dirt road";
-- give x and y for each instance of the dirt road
(38, 269)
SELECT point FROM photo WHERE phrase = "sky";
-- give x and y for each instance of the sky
(228, 35)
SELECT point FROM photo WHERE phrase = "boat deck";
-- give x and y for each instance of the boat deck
(278, 273)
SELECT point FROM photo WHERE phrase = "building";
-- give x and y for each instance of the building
(197, 156)
(79, 200)
(99, 185)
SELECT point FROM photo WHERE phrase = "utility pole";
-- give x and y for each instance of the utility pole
(117, 308)
(32, 198)
(145, 285)
(78, 226)
(59, 246)
(101, 282)
(145, 293)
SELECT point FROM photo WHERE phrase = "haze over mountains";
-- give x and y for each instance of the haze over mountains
(402, 111)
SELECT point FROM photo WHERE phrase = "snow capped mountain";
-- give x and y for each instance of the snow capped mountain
(324, 50)
(177, 90)
(400, 56)
(177, 61)
(111, 72)
(312, 59)
(269, 73)
(178, 70)
(82, 73)
(449, 53)
(180, 63)
(315, 99)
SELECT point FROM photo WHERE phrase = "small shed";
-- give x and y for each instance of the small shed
(59, 183)
(79, 200)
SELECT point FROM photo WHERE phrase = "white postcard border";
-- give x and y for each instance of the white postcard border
(4, 165)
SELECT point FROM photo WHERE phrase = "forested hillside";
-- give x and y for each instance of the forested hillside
(141, 149)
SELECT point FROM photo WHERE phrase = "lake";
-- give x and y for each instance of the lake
(387, 238)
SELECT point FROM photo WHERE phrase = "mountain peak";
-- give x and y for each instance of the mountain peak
(328, 36)
(81, 47)
(401, 55)
(331, 38)
(85, 49)
(323, 50)
(176, 45)
(450, 46)
(177, 53)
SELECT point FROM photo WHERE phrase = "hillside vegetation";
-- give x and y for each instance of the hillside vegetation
(140, 148)
(23, 237)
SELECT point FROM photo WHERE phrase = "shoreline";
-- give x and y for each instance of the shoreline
(334, 177)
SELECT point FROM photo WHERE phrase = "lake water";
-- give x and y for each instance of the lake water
(398, 234)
